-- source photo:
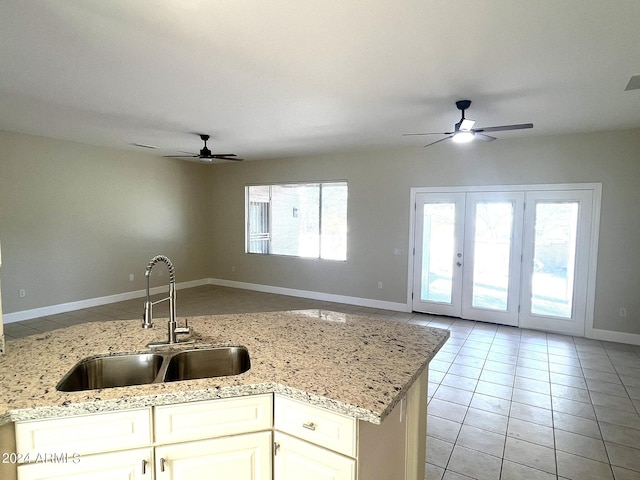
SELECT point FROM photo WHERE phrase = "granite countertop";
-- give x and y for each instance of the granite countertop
(354, 365)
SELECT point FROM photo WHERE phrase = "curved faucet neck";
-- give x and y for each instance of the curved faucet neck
(165, 259)
(147, 321)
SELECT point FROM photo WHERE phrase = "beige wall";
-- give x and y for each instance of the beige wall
(1, 322)
(76, 220)
(379, 190)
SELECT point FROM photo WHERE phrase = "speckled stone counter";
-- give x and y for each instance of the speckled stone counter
(350, 364)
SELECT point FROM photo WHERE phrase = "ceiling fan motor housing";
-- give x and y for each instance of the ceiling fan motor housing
(463, 104)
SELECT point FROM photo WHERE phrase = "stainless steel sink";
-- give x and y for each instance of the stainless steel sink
(111, 371)
(216, 362)
(145, 368)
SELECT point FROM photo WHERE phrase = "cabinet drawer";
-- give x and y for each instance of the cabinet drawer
(83, 434)
(317, 425)
(213, 418)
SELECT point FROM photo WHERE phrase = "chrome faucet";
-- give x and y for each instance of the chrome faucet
(147, 320)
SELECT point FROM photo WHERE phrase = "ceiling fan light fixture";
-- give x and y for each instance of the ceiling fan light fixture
(463, 137)
(464, 132)
(466, 124)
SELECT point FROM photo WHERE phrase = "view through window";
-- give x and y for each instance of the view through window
(298, 219)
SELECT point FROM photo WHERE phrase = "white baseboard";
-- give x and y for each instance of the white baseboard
(326, 297)
(93, 302)
(121, 297)
(596, 334)
(611, 336)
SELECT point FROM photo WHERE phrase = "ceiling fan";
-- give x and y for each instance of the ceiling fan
(206, 156)
(464, 132)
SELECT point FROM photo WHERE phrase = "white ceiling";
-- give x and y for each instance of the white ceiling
(276, 78)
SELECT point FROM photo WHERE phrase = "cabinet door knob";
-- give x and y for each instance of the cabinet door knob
(309, 426)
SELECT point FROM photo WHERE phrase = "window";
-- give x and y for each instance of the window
(298, 219)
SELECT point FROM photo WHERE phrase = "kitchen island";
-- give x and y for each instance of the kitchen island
(347, 365)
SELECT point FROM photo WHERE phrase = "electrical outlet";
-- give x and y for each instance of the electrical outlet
(623, 312)
(131, 277)
(233, 268)
(379, 284)
(22, 293)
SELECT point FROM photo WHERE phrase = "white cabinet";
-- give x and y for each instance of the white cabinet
(225, 438)
(64, 447)
(258, 437)
(128, 465)
(295, 460)
(317, 425)
(316, 444)
(329, 448)
(237, 454)
(241, 457)
(85, 434)
(213, 418)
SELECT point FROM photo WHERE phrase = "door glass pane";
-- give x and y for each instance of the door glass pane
(492, 254)
(437, 252)
(554, 257)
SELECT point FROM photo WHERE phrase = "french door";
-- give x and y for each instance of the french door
(469, 255)
(512, 257)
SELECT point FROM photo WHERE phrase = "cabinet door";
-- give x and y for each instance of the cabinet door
(243, 457)
(130, 465)
(295, 459)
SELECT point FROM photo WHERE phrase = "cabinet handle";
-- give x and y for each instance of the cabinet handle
(161, 464)
(276, 447)
(144, 467)
(309, 426)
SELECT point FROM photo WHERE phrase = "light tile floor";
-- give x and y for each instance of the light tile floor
(504, 403)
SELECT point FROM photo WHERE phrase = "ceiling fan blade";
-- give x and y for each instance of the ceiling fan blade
(234, 158)
(430, 133)
(503, 128)
(181, 156)
(483, 137)
(438, 141)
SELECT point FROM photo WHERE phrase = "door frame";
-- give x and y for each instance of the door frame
(596, 188)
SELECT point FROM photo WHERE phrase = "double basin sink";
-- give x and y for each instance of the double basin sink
(145, 368)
